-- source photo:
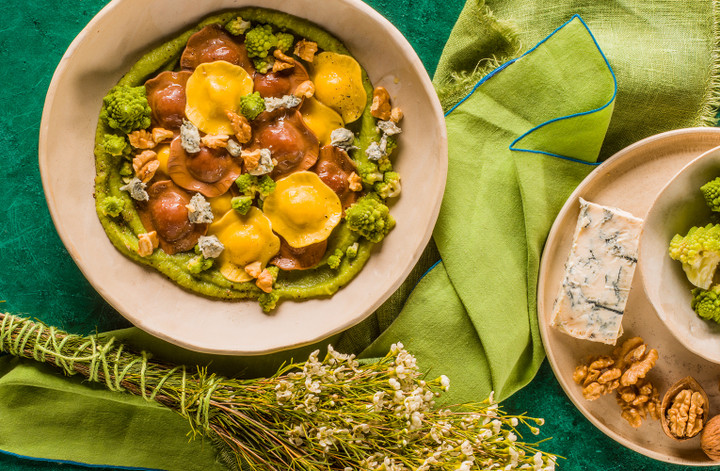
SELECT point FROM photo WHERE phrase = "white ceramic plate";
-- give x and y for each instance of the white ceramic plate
(106, 49)
(630, 180)
(679, 206)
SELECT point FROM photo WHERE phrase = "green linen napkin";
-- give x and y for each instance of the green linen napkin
(518, 146)
(478, 305)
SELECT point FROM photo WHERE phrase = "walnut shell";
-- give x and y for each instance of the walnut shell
(667, 402)
(710, 440)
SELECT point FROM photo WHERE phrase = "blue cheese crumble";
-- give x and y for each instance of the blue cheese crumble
(265, 163)
(136, 188)
(374, 151)
(598, 274)
(234, 148)
(210, 246)
(389, 128)
(189, 137)
(287, 101)
(199, 210)
(342, 138)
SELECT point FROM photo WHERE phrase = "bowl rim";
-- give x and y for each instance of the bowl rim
(441, 169)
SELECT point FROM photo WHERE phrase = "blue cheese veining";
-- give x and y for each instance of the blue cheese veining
(598, 274)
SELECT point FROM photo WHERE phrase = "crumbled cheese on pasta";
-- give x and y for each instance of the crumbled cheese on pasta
(210, 246)
(136, 188)
(343, 138)
(389, 128)
(287, 101)
(190, 137)
(265, 164)
(234, 148)
(199, 210)
(374, 151)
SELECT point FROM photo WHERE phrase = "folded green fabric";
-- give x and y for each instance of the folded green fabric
(518, 146)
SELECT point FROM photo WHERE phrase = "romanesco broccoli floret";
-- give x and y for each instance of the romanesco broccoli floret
(126, 169)
(266, 185)
(699, 252)
(247, 184)
(384, 164)
(706, 303)
(115, 146)
(268, 301)
(711, 192)
(199, 264)
(334, 260)
(252, 105)
(250, 185)
(263, 65)
(370, 218)
(390, 186)
(369, 173)
(237, 26)
(241, 204)
(260, 40)
(391, 145)
(352, 251)
(126, 108)
(112, 206)
(284, 41)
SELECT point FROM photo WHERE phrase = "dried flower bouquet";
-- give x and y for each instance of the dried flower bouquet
(330, 414)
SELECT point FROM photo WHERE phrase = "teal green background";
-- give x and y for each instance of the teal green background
(39, 278)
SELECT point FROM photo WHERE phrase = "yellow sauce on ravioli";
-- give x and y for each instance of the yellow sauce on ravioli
(163, 154)
(220, 205)
(247, 239)
(338, 84)
(303, 209)
(212, 89)
(322, 120)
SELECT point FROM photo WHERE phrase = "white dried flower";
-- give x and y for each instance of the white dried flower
(312, 386)
(514, 421)
(378, 400)
(465, 466)
(444, 382)
(537, 461)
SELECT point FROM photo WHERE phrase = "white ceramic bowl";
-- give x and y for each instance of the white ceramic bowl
(678, 207)
(106, 49)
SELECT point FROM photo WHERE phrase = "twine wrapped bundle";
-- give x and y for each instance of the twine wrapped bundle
(333, 414)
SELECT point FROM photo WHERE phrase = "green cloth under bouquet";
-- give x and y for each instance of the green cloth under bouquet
(529, 108)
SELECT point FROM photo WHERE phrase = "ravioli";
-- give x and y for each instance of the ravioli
(338, 84)
(303, 209)
(213, 89)
(212, 44)
(210, 171)
(166, 97)
(321, 119)
(247, 239)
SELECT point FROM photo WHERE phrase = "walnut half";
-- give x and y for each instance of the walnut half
(684, 409)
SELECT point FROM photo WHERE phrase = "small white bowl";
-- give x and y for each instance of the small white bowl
(105, 50)
(678, 207)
